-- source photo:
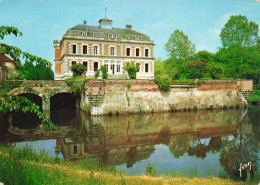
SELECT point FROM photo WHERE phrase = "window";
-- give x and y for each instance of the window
(146, 52)
(95, 50)
(85, 49)
(73, 62)
(75, 149)
(95, 66)
(128, 51)
(118, 68)
(112, 51)
(146, 68)
(106, 66)
(137, 51)
(74, 49)
(138, 67)
(86, 65)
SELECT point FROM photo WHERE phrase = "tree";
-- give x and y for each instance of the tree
(179, 45)
(239, 32)
(197, 69)
(9, 103)
(78, 69)
(131, 68)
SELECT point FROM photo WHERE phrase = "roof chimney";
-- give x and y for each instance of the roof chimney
(105, 23)
(85, 22)
(128, 27)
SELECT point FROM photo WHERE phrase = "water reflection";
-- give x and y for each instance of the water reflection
(226, 137)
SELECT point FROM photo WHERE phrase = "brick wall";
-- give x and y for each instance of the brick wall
(44, 83)
(217, 85)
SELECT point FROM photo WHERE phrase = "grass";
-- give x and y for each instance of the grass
(254, 96)
(23, 166)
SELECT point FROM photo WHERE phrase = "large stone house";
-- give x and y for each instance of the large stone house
(7, 67)
(95, 46)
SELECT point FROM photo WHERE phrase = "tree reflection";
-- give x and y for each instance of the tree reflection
(198, 150)
(242, 149)
(180, 144)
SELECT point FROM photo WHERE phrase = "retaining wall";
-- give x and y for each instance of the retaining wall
(139, 96)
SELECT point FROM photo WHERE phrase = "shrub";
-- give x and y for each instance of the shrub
(150, 168)
(77, 84)
(128, 85)
(78, 69)
(103, 69)
(163, 82)
(131, 68)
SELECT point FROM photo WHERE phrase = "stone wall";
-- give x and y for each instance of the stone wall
(139, 96)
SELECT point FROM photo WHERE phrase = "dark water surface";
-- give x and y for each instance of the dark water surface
(206, 143)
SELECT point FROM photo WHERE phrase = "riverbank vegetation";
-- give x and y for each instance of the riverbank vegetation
(24, 166)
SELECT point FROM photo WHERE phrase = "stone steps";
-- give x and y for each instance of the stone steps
(96, 130)
(246, 94)
(95, 99)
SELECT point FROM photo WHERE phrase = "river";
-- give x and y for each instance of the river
(205, 143)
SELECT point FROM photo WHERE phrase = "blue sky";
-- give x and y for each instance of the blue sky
(42, 21)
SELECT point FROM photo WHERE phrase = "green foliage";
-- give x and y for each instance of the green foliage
(24, 166)
(239, 32)
(131, 68)
(197, 69)
(9, 85)
(40, 71)
(163, 82)
(172, 108)
(150, 168)
(6, 30)
(14, 52)
(77, 84)
(238, 59)
(141, 110)
(78, 69)
(128, 99)
(254, 96)
(179, 45)
(104, 72)
(9, 103)
(128, 85)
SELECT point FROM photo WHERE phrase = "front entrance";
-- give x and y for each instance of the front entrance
(113, 68)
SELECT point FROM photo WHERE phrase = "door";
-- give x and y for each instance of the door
(113, 68)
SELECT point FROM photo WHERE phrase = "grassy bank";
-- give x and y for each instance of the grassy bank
(23, 166)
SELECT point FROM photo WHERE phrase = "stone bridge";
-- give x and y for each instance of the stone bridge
(43, 89)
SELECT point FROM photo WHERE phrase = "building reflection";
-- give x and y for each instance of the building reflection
(127, 139)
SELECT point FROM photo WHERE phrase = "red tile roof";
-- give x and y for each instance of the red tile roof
(4, 58)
